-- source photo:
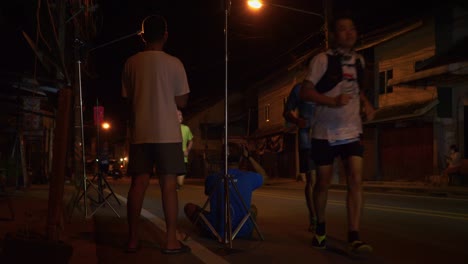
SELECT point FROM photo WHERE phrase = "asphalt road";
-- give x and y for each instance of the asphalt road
(402, 228)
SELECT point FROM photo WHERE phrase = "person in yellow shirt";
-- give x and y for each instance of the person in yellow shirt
(187, 143)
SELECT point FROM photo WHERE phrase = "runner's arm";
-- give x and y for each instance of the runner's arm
(257, 167)
(308, 93)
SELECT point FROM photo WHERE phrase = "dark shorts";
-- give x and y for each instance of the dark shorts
(306, 163)
(166, 158)
(324, 154)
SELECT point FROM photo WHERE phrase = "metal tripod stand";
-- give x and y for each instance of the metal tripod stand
(102, 183)
(86, 183)
(227, 179)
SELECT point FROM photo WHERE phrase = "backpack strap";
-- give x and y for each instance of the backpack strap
(332, 76)
(334, 73)
(360, 73)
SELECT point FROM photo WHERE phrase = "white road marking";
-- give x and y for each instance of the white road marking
(414, 211)
(201, 252)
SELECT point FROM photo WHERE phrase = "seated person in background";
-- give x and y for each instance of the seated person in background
(453, 163)
(246, 182)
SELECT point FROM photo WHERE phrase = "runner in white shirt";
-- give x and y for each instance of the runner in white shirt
(337, 126)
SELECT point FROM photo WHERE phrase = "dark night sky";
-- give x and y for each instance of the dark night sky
(259, 42)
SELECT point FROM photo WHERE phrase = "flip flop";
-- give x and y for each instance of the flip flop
(183, 249)
(182, 236)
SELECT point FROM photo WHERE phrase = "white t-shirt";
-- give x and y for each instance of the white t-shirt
(151, 80)
(337, 123)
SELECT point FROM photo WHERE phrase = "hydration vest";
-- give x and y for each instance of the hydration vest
(334, 73)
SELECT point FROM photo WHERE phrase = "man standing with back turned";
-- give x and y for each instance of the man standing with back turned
(155, 84)
(333, 82)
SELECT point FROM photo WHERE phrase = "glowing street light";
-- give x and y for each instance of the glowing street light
(257, 4)
(105, 125)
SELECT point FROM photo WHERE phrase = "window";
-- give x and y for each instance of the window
(384, 77)
(419, 64)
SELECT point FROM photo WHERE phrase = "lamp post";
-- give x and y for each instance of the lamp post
(227, 213)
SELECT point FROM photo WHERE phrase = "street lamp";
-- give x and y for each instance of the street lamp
(105, 147)
(105, 126)
(257, 4)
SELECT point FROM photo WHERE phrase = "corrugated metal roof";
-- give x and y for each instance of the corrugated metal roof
(368, 41)
(456, 53)
(437, 75)
(403, 111)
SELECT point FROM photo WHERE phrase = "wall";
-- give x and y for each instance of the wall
(207, 145)
(272, 100)
(400, 55)
(403, 147)
(272, 95)
(405, 150)
(451, 28)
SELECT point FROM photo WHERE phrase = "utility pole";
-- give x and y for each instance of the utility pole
(327, 8)
(61, 139)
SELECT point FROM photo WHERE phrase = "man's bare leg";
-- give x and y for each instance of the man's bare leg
(180, 180)
(320, 193)
(308, 191)
(354, 195)
(135, 198)
(320, 201)
(170, 202)
(354, 205)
